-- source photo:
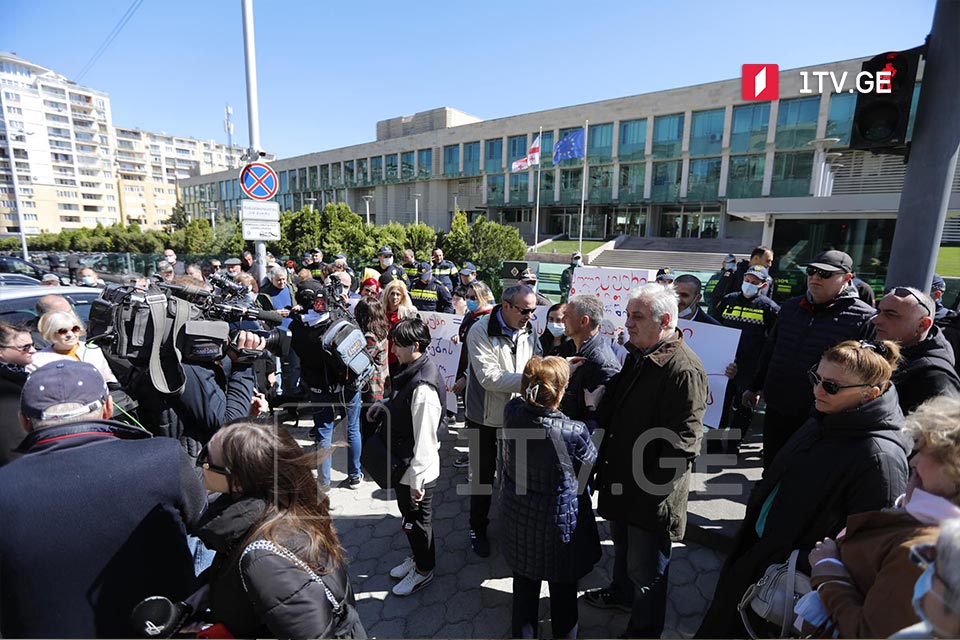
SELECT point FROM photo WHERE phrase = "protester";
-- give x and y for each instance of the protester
(89, 278)
(50, 280)
(398, 306)
(479, 303)
(282, 297)
(549, 531)
(498, 347)
(63, 330)
(410, 265)
(417, 414)
(193, 270)
(938, 287)
(44, 305)
(581, 321)
(643, 489)
(165, 272)
(170, 257)
(864, 579)
(936, 594)
(370, 315)
(755, 315)
(710, 294)
(665, 276)
(529, 278)
(468, 273)
(233, 267)
(554, 341)
(566, 278)
(53, 259)
(849, 457)
(247, 262)
(389, 271)
(277, 549)
(94, 513)
(688, 291)
(16, 353)
(927, 365)
(370, 288)
(73, 266)
(443, 270)
(731, 280)
(459, 300)
(427, 293)
(828, 313)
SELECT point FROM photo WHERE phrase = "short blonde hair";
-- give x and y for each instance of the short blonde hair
(544, 381)
(53, 321)
(936, 425)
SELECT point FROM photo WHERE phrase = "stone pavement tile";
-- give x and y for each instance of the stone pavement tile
(462, 606)
(458, 630)
(438, 592)
(394, 628)
(493, 623)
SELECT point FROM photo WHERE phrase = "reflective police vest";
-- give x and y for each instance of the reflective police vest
(429, 296)
(411, 271)
(444, 272)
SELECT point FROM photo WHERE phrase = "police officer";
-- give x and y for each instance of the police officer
(443, 270)
(566, 278)
(316, 266)
(389, 271)
(410, 265)
(428, 294)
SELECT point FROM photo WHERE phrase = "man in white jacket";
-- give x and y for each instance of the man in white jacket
(498, 348)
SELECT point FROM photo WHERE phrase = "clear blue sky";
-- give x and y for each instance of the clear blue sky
(329, 70)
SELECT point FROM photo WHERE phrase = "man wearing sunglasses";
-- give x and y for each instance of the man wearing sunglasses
(93, 512)
(927, 366)
(498, 347)
(829, 312)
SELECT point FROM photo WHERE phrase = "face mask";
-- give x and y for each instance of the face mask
(923, 585)
(749, 289)
(577, 263)
(472, 305)
(171, 259)
(729, 266)
(688, 312)
(555, 328)
(89, 281)
(386, 262)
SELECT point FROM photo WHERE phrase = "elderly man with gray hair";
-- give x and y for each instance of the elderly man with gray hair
(581, 323)
(498, 347)
(652, 413)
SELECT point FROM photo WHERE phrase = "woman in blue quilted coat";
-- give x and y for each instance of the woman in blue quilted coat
(549, 529)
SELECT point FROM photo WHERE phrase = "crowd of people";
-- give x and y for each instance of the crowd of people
(193, 507)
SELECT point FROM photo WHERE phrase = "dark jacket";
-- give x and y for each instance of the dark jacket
(94, 517)
(599, 366)
(421, 371)
(446, 273)
(212, 396)
(951, 333)
(566, 281)
(834, 466)
(665, 390)
(699, 315)
(391, 273)
(11, 433)
(926, 370)
(803, 332)
(755, 317)
(280, 600)
(549, 529)
(728, 282)
(430, 296)
(468, 320)
(565, 349)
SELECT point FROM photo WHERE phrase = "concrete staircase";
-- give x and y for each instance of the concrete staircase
(680, 261)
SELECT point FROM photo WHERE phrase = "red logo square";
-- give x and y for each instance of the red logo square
(760, 82)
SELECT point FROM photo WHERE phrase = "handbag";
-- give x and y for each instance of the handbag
(773, 596)
(346, 620)
(379, 460)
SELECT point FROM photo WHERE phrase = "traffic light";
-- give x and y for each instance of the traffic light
(880, 119)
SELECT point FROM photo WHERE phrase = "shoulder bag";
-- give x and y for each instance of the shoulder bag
(773, 596)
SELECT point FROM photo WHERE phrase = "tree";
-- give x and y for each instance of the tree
(456, 244)
(197, 236)
(178, 216)
(492, 243)
(422, 239)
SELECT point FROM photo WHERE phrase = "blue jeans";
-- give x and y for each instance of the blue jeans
(641, 568)
(324, 419)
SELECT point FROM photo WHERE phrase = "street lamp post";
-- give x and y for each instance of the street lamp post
(366, 202)
(311, 200)
(213, 219)
(455, 196)
(416, 208)
(820, 146)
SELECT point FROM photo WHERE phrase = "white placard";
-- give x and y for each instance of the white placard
(257, 230)
(255, 210)
(443, 350)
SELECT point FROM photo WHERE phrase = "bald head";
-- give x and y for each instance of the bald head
(52, 303)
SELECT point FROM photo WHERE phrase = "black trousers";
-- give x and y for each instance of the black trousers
(483, 466)
(736, 415)
(417, 523)
(777, 429)
(526, 608)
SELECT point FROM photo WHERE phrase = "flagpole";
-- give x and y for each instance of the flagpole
(583, 192)
(536, 223)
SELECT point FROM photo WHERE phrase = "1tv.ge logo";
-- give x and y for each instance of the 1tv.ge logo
(760, 82)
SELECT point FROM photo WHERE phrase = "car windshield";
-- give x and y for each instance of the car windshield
(21, 309)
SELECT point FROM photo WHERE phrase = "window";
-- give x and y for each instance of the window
(66, 194)
(571, 181)
(797, 122)
(425, 163)
(840, 120)
(706, 133)
(376, 169)
(494, 155)
(312, 173)
(519, 187)
(703, 182)
(17, 111)
(546, 146)
(667, 136)
(746, 176)
(11, 96)
(601, 184)
(471, 158)
(27, 204)
(791, 174)
(393, 173)
(67, 207)
(348, 175)
(495, 189)
(749, 130)
(362, 177)
(600, 142)
(301, 180)
(516, 148)
(913, 110)
(666, 181)
(406, 166)
(451, 160)
(30, 217)
(633, 140)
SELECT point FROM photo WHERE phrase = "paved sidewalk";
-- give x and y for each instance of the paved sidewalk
(470, 596)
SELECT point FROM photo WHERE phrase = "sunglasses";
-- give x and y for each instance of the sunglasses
(215, 267)
(821, 273)
(523, 312)
(22, 349)
(830, 386)
(370, 290)
(203, 461)
(74, 329)
(903, 292)
(469, 297)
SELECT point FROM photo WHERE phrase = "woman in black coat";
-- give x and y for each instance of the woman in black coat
(848, 458)
(16, 352)
(549, 532)
(274, 538)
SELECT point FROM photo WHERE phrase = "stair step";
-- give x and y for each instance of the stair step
(679, 261)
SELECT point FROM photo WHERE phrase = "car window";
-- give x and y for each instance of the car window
(22, 309)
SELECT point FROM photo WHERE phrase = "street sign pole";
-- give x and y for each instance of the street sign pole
(253, 114)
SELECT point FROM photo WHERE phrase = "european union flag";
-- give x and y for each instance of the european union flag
(570, 146)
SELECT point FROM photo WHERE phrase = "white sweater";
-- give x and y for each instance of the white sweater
(93, 355)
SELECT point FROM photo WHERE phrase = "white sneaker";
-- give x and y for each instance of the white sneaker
(402, 569)
(412, 582)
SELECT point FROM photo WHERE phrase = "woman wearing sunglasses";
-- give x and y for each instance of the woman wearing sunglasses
(849, 457)
(64, 331)
(865, 577)
(271, 528)
(16, 352)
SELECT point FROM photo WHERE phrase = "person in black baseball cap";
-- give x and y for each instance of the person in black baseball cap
(468, 273)
(390, 271)
(666, 276)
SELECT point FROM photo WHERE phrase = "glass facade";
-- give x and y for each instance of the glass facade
(519, 186)
(392, 174)
(292, 181)
(336, 176)
(548, 179)
(706, 133)
(493, 160)
(791, 174)
(362, 177)
(348, 174)
(913, 110)
(495, 189)
(633, 140)
(703, 182)
(471, 158)
(284, 185)
(425, 164)
(546, 147)
(631, 182)
(666, 181)
(571, 185)
(451, 160)
(600, 143)
(797, 122)
(313, 178)
(516, 147)
(376, 169)
(748, 131)
(325, 175)
(667, 136)
(601, 184)
(840, 120)
(745, 179)
(406, 166)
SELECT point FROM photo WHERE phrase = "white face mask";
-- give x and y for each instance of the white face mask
(688, 312)
(171, 259)
(729, 266)
(89, 281)
(386, 262)
(577, 263)
(555, 328)
(749, 289)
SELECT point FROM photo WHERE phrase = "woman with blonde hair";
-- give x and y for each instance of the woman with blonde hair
(849, 457)
(64, 329)
(549, 531)
(398, 306)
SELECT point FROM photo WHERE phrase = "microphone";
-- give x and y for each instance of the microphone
(159, 617)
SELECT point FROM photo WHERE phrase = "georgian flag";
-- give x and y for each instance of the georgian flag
(533, 157)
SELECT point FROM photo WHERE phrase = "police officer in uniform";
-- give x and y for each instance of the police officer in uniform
(443, 270)
(389, 271)
(428, 294)
(410, 265)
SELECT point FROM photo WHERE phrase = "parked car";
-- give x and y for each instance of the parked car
(9, 264)
(17, 303)
(17, 280)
